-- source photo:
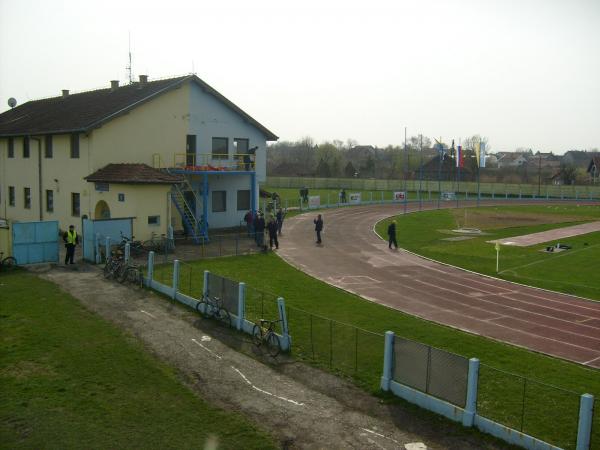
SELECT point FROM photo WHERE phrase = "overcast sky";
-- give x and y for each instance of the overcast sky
(524, 73)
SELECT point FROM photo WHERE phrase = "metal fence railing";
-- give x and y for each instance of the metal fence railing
(526, 405)
(431, 370)
(224, 289)
(339, 346)
(261, 305)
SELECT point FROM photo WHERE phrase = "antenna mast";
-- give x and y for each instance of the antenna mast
(129, 67)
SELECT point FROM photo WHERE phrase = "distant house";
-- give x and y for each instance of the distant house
(594, 169)
(578, 158)
(506, 159)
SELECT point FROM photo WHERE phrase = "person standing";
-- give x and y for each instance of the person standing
(279, 216)
(391, 231)
(71, 240)
(318, 227)
(272, 227)
(260, 230)
(249, 219)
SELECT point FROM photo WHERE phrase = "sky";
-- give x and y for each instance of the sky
(523, 73)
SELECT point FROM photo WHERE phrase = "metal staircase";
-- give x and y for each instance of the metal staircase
(191, 225)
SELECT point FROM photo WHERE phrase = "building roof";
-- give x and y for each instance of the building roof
(132, 174)
(88, 110)
(595, 162)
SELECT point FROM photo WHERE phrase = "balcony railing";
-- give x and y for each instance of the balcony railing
(214, 162)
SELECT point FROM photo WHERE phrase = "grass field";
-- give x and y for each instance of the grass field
(572, 272)
(69, 379)
(547, 412)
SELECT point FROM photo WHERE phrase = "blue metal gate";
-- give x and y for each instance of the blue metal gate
(98, 230)
(35, 242)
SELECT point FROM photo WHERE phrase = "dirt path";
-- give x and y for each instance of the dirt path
(301, 406)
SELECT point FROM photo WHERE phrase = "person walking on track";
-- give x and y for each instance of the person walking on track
(318, 227)
(391, 231)
(272, 228)
(71, 240)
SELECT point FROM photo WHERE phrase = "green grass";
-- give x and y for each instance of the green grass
(359, 352)
(572, 272)
(69, 379)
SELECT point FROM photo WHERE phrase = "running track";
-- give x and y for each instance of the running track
(354, 258)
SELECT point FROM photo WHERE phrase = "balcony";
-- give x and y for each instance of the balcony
(207, 162)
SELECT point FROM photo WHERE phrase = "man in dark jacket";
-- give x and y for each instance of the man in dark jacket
(272, 227)
(391, 231)
(260, 230)
(280, 216)
(318, 227)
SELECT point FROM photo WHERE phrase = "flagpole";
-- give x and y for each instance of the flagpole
(405, 173)
(440, 150)
(458, 157)
(421, 172)
(478, 165)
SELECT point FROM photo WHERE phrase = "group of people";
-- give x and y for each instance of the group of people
(256, 226)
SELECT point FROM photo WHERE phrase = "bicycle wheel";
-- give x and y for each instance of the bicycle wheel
(257, 335)
(121, 274)
(107, 269)
(9, 263)
(273, 346)
(224, 317)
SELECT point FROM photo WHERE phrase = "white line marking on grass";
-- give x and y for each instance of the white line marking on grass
(147, 313)
(265, 392)
(381, 435)
(591, 361)
(206, 348)
(560, 255)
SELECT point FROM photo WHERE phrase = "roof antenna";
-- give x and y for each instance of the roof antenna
(129, 67)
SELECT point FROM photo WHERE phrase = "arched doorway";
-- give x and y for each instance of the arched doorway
(102, 210)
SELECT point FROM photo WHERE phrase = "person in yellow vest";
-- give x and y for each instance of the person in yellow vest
(71, 240)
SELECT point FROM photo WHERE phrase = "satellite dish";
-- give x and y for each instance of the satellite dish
(12, 102)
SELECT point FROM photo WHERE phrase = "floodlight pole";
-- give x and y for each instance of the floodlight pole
(420, 171)
(405, 173)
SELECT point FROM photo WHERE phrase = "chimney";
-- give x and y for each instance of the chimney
(65, 93)
(114, 85)
(143, 80)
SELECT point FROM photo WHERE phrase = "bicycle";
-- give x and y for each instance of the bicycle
(136, 248)
(212, 307)
(8, 263)
(156, 245)
(267, 336)
(114, 267)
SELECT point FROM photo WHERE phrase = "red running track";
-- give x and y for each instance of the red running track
(354, 258)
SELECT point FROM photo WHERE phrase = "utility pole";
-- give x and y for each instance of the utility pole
(420, 171)
(405, 173)
(539, 172)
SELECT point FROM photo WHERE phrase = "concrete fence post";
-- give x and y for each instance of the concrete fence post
(584, 429)
(127, 251)
(107, 248)
(150, 268)
(175, 277)
(205, 285)
(97, 248)
(241, 305)
(285, 331)
(388, 361)
(472, 384)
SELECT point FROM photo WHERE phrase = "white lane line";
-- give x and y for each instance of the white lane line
(265, 392)
(147, 313)
(381, 435)
(206, 348)
(591, 361)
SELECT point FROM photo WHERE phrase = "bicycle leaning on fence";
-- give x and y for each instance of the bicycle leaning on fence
(265, 335)
(212, 307)
(8, 263)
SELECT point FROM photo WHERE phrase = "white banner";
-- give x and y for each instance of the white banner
(448, 196)
(314, 201)
(399, 195)
(354, 197)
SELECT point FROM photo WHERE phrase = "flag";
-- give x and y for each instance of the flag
(478, 153)
(460, 160)
(482, 155)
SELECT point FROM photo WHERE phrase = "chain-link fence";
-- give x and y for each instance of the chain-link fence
(339, 346)
(431, 370)
(191, 280)
(537, 409)
(261, 305)
(163, 273)
(224, 289)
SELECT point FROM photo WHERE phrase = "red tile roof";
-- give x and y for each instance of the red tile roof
(132, 174)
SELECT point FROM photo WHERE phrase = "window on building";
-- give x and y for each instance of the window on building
(101, 187)
(27, 198)
(48, 149)
(121, 197)
(11, 195)
(75, 145)
(220, 148)
(241, 146)
(153, 220)
(190, 150)
(26, 147)
(219, 201)
(243, 200)
(49, 200)
(11, 147)
(75, 210)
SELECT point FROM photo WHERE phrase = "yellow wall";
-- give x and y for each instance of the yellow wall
(141, 201)
(158, 126)
(6, 241)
